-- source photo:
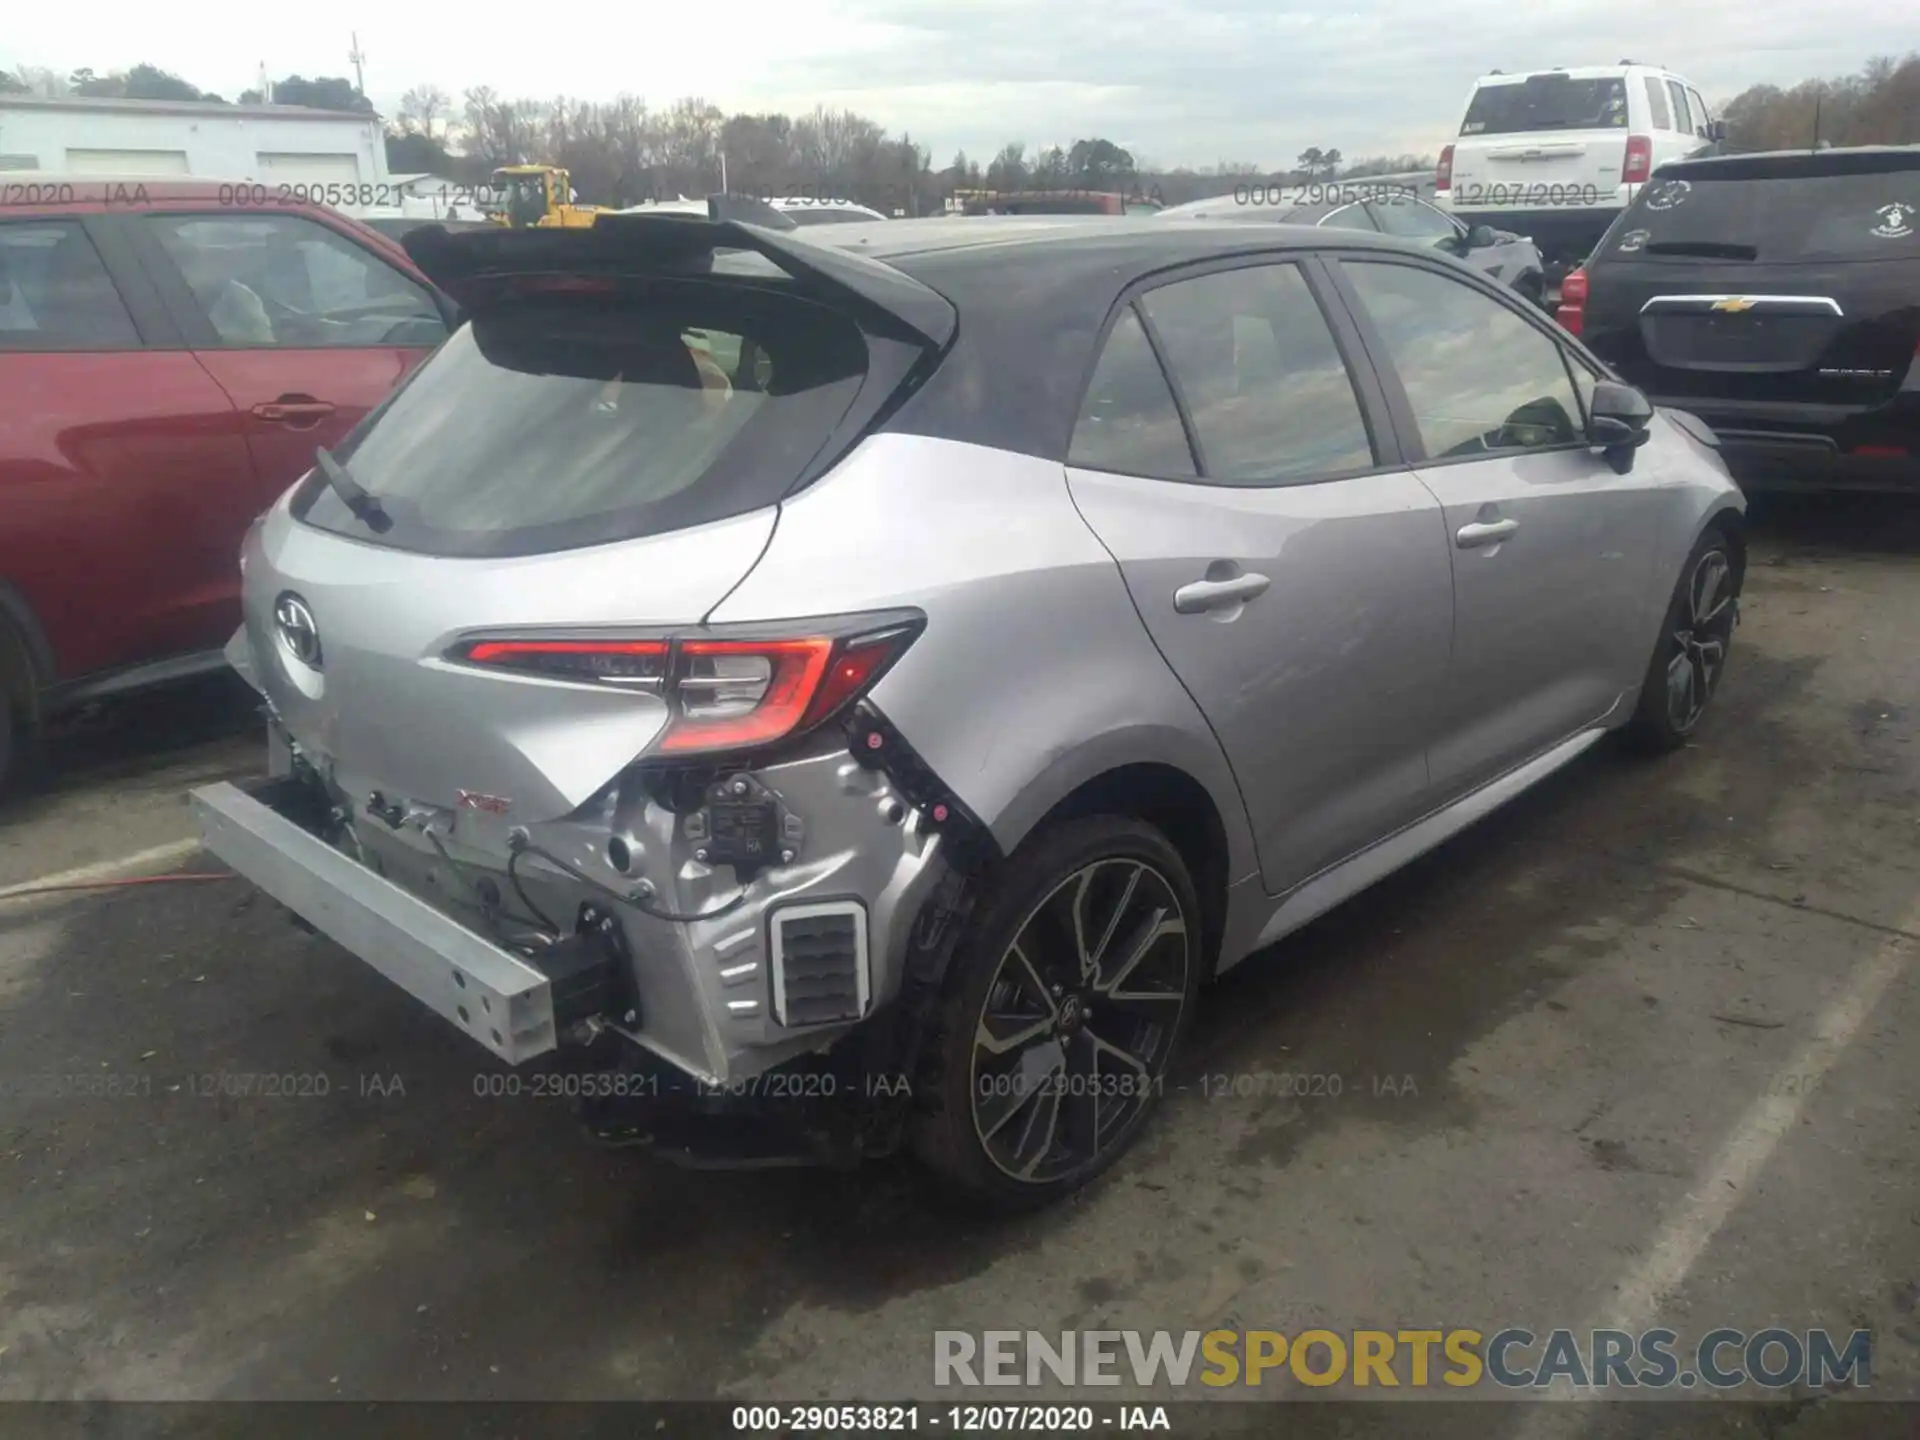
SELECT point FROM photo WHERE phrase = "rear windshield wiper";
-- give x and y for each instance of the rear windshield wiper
(1706, 249)
(365, 508)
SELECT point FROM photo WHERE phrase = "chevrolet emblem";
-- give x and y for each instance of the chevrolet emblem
(1735, 305)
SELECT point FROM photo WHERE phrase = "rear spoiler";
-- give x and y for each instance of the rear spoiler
(472, 265)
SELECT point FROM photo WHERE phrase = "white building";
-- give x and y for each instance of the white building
(272, 144)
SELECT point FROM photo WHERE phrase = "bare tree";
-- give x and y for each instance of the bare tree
(420, 107)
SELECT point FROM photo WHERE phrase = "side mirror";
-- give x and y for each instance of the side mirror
(1716, 130)
(1481, 236)
(1618, 424)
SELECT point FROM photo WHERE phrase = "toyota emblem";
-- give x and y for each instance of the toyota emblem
(298, 633)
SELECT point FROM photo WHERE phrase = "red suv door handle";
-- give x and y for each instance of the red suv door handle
(298, 411)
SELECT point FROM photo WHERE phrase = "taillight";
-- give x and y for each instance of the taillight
(636, 663)
(1639, 162)
(1573, 301)
(726, 690)
(1443, 172)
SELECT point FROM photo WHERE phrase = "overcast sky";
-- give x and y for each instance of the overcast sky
(1176, 81)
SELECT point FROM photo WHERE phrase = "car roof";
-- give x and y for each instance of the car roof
(1577, 72)
(1102, 242)
(1076, 264)
(1033, 294)
(807, 202)
(90, 189)
(1228, 211)
(1784, 164)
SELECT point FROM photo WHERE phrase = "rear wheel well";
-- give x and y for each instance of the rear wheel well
(1179, 806)
(19, 698)
(1733, 526)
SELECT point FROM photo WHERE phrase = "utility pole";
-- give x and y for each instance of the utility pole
(359, 80)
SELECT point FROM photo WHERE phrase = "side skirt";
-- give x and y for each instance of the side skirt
(1313, 898)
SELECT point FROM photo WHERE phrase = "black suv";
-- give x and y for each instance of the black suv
(1777, 297)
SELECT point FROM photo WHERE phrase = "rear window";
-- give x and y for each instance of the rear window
(1833, 217)
(567, 420)
(1547, 102)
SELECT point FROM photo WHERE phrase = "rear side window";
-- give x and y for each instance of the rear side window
(1129, 422)
(287, 282)
(1479, 378)
(54, 292)
(1832, 217)
(1547, 102)
(1657, 99)
(558, 421)
(1269, 395)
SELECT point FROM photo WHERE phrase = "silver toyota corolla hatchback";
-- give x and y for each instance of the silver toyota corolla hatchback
(849, 692)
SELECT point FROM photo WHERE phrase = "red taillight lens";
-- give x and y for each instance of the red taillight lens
(1443, 172)
(1639, 162)
(639, 663)
(725, 692)
(736, 694)
(1572, 313)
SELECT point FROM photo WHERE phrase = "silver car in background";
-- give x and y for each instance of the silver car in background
(857, 688)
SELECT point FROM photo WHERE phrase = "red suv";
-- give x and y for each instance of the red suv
(171, 353)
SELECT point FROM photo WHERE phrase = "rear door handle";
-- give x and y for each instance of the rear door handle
(1218, 594)
(293, 410)
(1472, 537)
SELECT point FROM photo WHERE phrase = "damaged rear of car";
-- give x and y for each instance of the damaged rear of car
(515, 767)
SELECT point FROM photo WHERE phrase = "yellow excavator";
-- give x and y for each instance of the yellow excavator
(539, 196)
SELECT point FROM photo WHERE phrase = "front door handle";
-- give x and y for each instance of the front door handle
(1472, 537)
(295, 410)
(1218, 594)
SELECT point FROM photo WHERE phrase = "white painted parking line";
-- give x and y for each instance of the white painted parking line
(155, 858)
(1687, 1232)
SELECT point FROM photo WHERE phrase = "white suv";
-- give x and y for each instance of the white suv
(1557, 154)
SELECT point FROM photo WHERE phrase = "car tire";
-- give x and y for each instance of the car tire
(1696, 639)
(18, 733)
(1532, 289)
(1021, 1098)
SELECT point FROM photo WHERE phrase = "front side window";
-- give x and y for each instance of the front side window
(1129, 422)
(54, 292)
(1269, 395)
(286, 282)
(1480, 379)
(1683, 119)
(1700, 117)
